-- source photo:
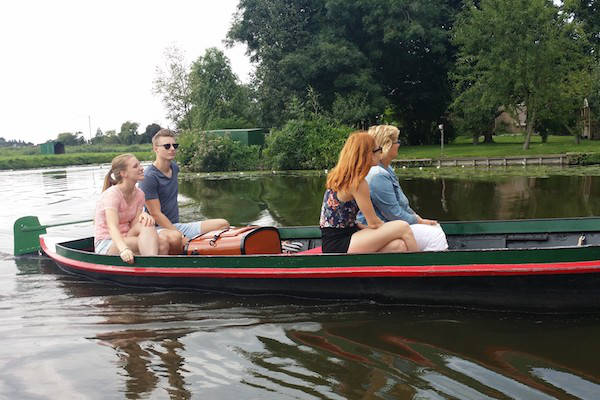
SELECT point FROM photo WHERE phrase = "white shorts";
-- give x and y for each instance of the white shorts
(429, 237)
(101, 246)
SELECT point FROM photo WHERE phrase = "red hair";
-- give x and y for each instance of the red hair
(353, 164)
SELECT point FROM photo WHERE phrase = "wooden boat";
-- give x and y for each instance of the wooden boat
(526, 264)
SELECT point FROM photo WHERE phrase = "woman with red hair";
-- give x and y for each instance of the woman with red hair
(348, 193)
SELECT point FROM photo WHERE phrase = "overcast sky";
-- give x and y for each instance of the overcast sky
(64, 62)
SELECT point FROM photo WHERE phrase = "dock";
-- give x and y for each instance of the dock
(552, 159)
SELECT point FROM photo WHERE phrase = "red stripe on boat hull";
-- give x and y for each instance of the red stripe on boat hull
(561, 268)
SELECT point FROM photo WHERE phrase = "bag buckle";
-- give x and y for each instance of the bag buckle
(213, 242)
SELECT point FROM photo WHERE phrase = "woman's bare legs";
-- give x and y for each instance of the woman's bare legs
(148, 241)
(385, 238)
(395, 246)
(141, 240)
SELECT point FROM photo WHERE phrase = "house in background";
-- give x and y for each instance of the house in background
(506, 122)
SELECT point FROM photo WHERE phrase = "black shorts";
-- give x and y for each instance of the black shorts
(336, 240)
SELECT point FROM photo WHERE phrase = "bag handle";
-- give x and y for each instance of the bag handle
(213, 242)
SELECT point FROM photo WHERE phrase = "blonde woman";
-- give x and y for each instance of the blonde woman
(347, 193)
(121, 227)
(390, 202)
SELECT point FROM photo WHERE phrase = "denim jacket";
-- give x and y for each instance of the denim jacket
(389, 201)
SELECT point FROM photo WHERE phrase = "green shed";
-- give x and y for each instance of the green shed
(247, 136)
(52, 147)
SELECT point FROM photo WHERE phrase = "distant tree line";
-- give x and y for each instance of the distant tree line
(411, 63)
(14, 143)
(127, 135)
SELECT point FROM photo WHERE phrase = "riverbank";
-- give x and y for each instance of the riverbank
(63, 160)
(505, 147)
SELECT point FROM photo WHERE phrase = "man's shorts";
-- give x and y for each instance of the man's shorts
(188, 229)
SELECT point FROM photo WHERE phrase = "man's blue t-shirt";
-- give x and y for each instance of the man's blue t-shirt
(158, 186)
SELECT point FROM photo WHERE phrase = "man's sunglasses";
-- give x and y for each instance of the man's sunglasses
(167, 146)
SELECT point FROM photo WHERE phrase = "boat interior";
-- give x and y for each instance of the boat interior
(455, 242)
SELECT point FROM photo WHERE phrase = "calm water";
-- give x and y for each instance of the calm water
(64, 337)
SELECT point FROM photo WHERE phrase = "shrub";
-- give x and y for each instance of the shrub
(305, 144)
(189, 141)
(217, 153)
(583, 158)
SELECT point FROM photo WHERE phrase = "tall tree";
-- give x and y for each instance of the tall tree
(215, 91)
(172, 84)
(517, 52)
(98, 138)
(359, 56)
(110, 137)
(129, 132)
(588, 13)
(71, 139)
(149, 132)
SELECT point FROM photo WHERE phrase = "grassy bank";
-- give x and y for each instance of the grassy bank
(30, 157)
(505, 145)
(61, 160)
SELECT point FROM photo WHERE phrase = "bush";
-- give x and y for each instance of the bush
(189, 142)
(219, 153)
(305, 144)
(583, 158)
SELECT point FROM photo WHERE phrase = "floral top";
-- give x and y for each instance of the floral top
(336, 213)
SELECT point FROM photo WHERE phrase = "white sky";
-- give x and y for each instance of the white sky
(63, 61)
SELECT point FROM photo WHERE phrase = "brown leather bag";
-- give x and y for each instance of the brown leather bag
(236, 241)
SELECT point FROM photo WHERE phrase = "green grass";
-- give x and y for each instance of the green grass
(505, 145)
(495, 173)
(30, 157)
(61, 160)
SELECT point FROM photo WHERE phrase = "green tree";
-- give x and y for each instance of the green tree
(216, 93)
(149, 132)
(588, 13)
(296, 46)
(173, 85)
(471, 114)
(517, 53)
(110, 137)
(129, 132)
(98, 138)
(71, 139)
(363, 56)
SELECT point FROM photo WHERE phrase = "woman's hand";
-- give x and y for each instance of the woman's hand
(425, 221)
(376, 224)
(127, 255)
(146, 219)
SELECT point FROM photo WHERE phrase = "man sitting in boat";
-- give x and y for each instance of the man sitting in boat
(161, 187)
(347, 193)
(390, 202)
(120, 225)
